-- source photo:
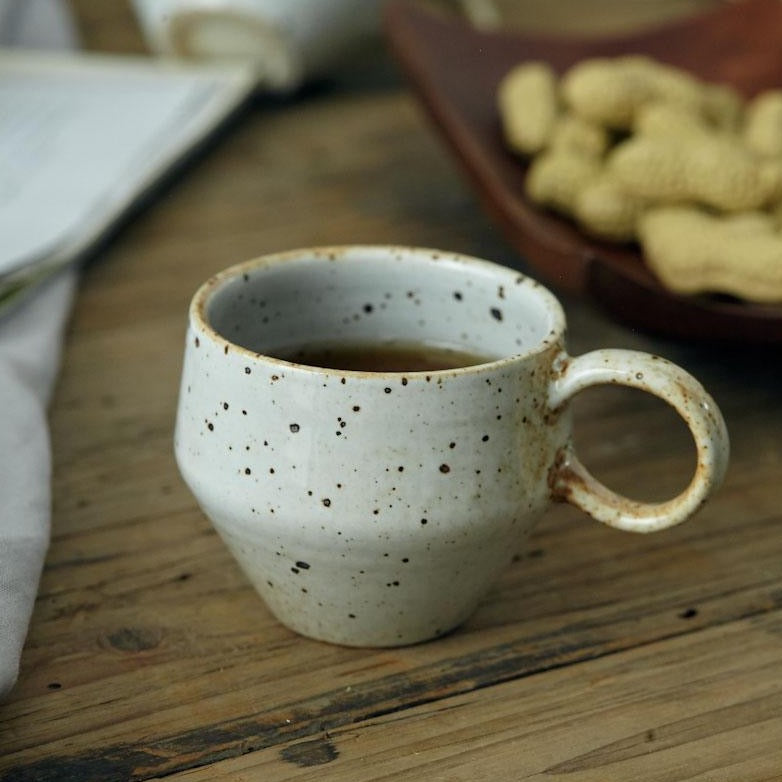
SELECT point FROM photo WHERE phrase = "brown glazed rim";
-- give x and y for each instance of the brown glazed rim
(200, 325)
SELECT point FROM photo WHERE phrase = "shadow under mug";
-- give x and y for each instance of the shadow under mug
(377, 508)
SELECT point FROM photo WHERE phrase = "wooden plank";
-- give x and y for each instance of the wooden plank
(198, 677)
(707, 707)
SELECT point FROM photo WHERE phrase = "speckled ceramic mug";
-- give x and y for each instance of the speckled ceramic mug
(377, 508)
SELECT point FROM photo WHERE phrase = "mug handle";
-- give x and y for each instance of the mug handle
(572, 482)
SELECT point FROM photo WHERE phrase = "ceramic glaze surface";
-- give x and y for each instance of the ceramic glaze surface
(373, 508)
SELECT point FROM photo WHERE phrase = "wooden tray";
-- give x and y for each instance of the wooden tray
(455, 68)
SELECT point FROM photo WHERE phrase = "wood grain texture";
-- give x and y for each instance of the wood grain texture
(701, 711)
(598, 655)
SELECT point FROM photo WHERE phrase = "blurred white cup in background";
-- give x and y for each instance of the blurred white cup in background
(288, 41)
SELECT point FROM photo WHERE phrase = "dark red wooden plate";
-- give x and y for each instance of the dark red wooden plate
(455, 68)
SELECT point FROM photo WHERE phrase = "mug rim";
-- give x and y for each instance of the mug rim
(200, 322)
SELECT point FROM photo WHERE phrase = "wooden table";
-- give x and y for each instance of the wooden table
(599, 655)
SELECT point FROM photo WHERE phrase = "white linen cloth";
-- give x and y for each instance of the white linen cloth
(30, 342)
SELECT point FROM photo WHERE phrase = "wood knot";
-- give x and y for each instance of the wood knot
(315, 752)
(134, 639)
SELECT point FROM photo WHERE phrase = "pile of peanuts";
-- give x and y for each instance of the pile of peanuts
(634, 150)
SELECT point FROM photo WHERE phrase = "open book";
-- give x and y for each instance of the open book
(82, 137)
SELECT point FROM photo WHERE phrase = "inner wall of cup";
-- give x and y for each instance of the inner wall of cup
(371, 297)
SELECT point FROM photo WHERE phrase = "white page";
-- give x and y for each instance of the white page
(82, 136)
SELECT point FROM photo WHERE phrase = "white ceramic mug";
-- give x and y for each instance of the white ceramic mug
(377, 508)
